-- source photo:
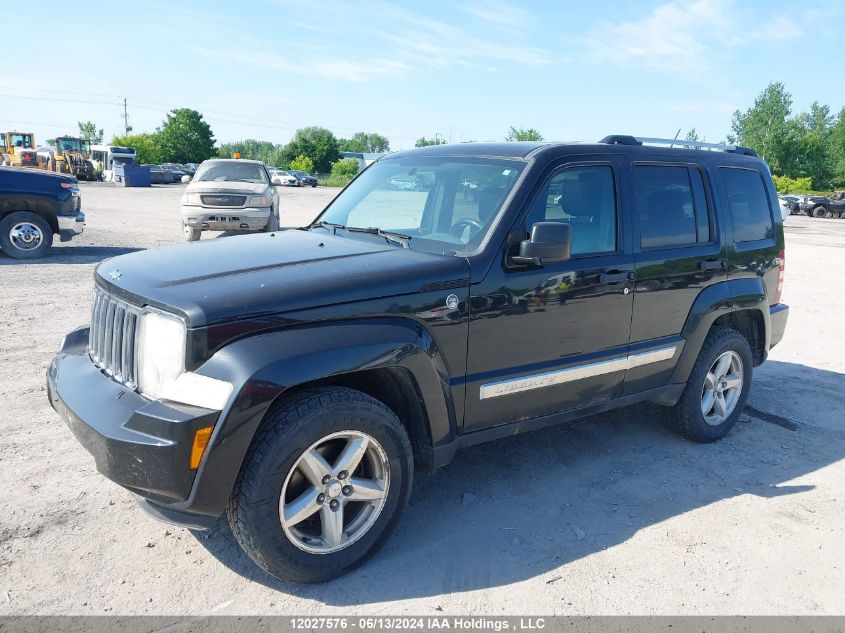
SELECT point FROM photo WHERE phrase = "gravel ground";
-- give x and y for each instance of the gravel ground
(614, 515)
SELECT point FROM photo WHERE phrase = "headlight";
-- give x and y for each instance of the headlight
(161, 352)
(191, 199)
(259, 201)
(161, 365)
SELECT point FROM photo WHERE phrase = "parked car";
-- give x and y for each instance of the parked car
(283, 178)
(294, 381)
(190, 168)
(832, 206)
(230, 195)
(176, 170)
(305, 180)
(159, 175)
(34, 206)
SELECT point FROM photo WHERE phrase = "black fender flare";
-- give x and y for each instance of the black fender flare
(262, 367)
(716, 300)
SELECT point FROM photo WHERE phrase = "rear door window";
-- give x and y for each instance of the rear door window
(672, 206)
(748, 203)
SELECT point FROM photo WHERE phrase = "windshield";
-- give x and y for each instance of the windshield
(445, 205)
(234, 171)
(123, 160)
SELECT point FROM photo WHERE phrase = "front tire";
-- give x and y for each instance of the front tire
(25, 235)
(191, 234)
(323, 484)
(272, 222)
(717, 388)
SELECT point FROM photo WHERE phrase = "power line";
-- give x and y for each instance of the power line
(224, 117)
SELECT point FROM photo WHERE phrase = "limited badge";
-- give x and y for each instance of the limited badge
(452, 302)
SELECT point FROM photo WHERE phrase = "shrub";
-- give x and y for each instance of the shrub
(785, 184)
(346, 167)
(302, 163)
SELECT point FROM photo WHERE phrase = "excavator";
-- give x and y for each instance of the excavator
(18, 149)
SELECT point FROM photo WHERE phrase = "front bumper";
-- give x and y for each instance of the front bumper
(778, 315)
(70, 225)
(225, 218)
(140, 444)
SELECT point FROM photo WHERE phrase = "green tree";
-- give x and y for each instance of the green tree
(523, 135)
(837, 149)
(302, 163)
(185, 137)
(88, 130)
(317, 143)
(347, 167)
(369, 142)
(425, 142)
(147, 148)
(814, 159)
(766, 127)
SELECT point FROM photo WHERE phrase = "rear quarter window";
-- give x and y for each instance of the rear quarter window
(748, 203)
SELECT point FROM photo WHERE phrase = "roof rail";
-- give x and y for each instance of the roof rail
(620, 139)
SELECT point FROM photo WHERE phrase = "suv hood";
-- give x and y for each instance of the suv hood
(232, 278)
(212, 186)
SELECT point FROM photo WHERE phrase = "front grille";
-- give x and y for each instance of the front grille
(223, 200)
(112, 341)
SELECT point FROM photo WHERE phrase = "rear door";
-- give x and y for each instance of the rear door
(677, 252)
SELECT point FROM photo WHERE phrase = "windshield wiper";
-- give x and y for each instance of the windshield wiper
(389, 236)
(322, 224)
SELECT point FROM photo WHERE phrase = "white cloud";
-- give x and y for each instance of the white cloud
(686, 37)
(500, 13)
(332, 69)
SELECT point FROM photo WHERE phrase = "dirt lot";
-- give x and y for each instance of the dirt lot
(614, 515)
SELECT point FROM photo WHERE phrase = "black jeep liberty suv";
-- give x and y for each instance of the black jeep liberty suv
(448, 296)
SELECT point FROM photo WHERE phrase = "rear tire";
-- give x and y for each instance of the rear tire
(191, 234)
(25, 235)
(301, 517)
(707, 388)
(818, 212)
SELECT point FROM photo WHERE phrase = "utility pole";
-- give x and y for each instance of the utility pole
(126, 127)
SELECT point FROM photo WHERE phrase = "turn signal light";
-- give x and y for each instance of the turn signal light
(201, 438)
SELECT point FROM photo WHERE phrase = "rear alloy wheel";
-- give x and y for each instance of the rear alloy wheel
(323, 484)
(25, 235)
(717, 388)
(722, 388)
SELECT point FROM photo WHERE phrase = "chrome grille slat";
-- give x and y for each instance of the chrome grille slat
(111, 343)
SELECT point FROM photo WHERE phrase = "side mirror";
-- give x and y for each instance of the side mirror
(186, 179)
(550, 242)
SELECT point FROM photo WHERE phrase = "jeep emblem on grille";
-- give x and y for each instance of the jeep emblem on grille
(115, 274)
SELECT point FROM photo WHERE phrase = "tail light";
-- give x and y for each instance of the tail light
(781, 261)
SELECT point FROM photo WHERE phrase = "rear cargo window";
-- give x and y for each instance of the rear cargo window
(749, 204)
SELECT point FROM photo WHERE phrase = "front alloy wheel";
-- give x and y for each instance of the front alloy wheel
(335, 492)
(323, 484)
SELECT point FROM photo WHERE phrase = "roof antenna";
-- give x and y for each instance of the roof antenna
(677, 134)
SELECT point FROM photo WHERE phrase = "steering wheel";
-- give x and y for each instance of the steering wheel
(459, 226)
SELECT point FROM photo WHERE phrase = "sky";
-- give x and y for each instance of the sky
(461, 70)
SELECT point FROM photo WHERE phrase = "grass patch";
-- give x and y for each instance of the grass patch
(334, 181)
